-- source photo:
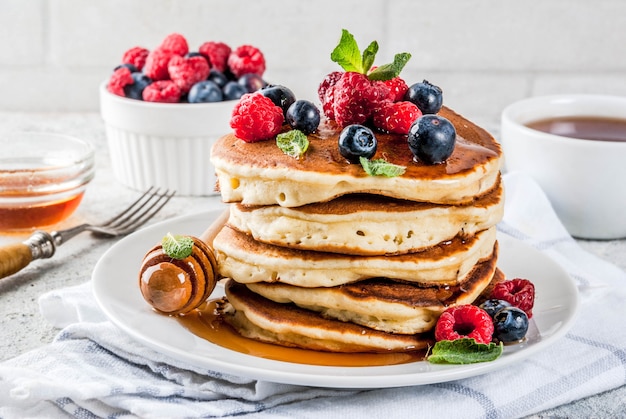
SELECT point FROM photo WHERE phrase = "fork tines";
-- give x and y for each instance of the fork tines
(140, 211)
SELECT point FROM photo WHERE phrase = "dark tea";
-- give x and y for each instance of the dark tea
(583, 127)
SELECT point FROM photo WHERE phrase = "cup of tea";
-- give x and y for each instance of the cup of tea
(574, 146)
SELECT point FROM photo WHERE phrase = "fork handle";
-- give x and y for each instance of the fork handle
(15, 257)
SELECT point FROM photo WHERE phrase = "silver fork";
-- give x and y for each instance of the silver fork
(42, 245)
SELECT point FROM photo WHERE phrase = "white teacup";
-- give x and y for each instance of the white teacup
(585, 179)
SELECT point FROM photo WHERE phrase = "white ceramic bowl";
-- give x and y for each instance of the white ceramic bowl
(584, 179)
(166, 145)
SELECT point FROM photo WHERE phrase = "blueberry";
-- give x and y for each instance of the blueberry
(233, 91)
(280, 95)
(193, 54)
(510, 324)
(129, 66)
(426, 96)
(252, 82)
(357, 141)
(492, 306)
(134, 91)
(218, 78)
(432, 138)
(205, 91)
(304, 116)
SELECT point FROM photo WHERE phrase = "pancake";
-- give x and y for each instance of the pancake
(384, 304)
(261, 319)
(245, 260)
(367, 224)
(261, 174)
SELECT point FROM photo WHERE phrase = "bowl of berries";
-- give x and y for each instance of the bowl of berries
(163, 109)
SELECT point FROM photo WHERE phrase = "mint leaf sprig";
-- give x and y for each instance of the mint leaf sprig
(293, 143)
(381, 167)
(464, 351)
(177, 247)
(348, 55)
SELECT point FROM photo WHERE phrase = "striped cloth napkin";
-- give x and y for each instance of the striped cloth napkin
(92, 369)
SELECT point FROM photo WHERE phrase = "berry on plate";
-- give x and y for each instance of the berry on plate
(282, 96)
(519, 292)
(427, 97)
(352, 96)
(357, 141)
(493, 305)
(510, 324)
(304, 116)
(432, 139)
(464, 321)
(355, 97)
(396, 117)
(397, 89)
(255, 118)
(325, 92)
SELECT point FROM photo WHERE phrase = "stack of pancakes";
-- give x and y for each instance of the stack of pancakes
(320, 255)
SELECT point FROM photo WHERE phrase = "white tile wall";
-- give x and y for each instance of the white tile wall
(484, 53)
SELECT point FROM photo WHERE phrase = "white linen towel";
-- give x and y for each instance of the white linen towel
(92, 369)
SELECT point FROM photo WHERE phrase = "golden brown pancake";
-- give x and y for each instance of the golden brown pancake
(258, 318)
(261, 174)
(362, 224)
(384, 304)
(245, 260)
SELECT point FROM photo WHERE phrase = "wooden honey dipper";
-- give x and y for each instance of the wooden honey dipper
(178, 285)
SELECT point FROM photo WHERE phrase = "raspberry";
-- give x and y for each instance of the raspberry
(156, 64)
(120, 78)
(135, 56)
(162, 91)
(246, 59)
(329, 81)
(187, 71)
(396, 117)
(397, 89)
(355, 98)
(255, 117)
(216, 53)
(464, 321)
(175, 43)
(325, 91)
(518, 292)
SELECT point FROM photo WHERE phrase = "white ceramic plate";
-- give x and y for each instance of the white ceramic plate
(116, 289)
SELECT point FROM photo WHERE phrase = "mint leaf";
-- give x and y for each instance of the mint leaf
(464, 351)
(381, 167)
(369, 54)
(177, 247)
(347, 53)
(293, 143)
(389, 71)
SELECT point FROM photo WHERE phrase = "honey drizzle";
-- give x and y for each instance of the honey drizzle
(206, 323)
